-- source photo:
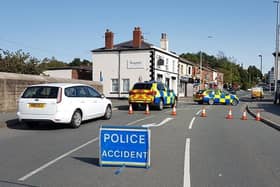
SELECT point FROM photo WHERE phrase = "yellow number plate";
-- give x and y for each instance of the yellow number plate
(36, 105)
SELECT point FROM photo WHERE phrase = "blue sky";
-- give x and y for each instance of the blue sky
(65, 29)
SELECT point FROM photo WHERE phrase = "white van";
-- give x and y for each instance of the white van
(62, 103)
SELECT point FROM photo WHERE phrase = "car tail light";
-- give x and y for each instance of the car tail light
(153, 93)
(59, 95)
(131, 92)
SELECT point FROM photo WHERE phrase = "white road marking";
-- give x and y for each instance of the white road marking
(198, 112)
(55, 160)
(187, 178)
(158, 125)
(191, 123)
(136, 121)
(149, 125)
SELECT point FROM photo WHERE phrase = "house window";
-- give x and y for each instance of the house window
(173, 65)
(167, 65)
(159, 77)
(115, 85)
(125, 85)
(182, 71)
(190, 70)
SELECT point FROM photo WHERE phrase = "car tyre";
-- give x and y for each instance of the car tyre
(76, 119)
(108, 113)
(160, 105)
(211, 101)
(135, 106)
(234, 102)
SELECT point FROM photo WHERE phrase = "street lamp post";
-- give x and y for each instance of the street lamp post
(277, 45)
(261, 64)
(200, 67)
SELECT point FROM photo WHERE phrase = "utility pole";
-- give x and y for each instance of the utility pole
(200, 72)
(277, 44)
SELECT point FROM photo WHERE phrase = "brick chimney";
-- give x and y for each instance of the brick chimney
(109, 39)
(137, 37)
(164, 42)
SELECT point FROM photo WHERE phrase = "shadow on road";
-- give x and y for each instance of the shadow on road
(8, 183)
(15, 124)
(89, 160)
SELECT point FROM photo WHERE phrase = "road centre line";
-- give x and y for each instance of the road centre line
(57, 159)
(191, 123)
(198, 112)
(187, 178)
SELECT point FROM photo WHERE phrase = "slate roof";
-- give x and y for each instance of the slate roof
(125, 46)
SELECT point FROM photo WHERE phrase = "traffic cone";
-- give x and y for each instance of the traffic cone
(173, 113)
(203, 113)
(244, 115)
(147, 111)
(229, 116)
(130, 110)
(258, 116)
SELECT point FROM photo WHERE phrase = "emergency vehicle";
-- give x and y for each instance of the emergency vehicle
(152, 93)
(219, 96)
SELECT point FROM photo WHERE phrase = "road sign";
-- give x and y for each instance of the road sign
(122, 145)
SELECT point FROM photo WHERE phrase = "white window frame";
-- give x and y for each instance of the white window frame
(127, 86)
(115, 86)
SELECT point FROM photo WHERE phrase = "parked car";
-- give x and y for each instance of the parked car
(62, 103)
(219, 96)
(152, 93)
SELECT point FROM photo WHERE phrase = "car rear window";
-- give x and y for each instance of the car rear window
(142, 86)
(48, 92)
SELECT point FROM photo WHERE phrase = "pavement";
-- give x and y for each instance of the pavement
(269, 112)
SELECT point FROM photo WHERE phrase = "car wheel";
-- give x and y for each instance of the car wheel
(234, 102)
(76, 119)
(135, 106)
(108, 112)
(211, 101)
(160, 105)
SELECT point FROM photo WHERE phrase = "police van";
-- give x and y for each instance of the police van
(152, 93)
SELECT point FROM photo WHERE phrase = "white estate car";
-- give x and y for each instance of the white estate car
(62, 103)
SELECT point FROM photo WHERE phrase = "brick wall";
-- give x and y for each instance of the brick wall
(11, 86)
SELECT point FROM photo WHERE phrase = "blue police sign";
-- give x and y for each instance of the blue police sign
(129, 146)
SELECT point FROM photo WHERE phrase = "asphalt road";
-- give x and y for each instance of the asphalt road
(188, 150)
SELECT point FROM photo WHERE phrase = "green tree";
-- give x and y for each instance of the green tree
(18, 62)
(78, 62)
(51, 63)
(233, 73)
